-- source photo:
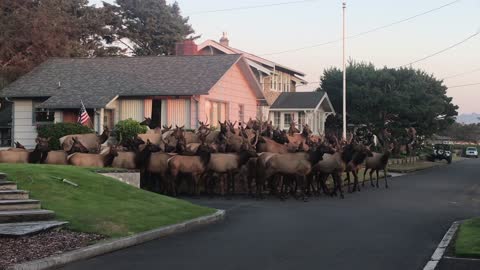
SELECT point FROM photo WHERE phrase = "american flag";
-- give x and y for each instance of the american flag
(83, 118)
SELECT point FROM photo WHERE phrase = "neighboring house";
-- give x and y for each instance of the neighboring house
(310, 108)
(176, 90)
(273, 77)
(5, 123)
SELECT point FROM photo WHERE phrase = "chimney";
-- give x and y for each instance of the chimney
(224, 40)
(186, 47)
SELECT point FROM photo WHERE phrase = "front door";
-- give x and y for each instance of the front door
(156, 112)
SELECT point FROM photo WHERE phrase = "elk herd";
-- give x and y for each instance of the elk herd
(252, 156)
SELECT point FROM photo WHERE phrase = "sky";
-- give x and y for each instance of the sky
(278, 28)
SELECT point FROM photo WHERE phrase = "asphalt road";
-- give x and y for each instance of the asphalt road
(398, 228)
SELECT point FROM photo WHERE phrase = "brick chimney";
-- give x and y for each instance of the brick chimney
(186, 47)
(224, 40)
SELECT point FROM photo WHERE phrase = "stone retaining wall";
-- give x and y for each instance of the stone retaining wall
(406, 160)
(131, 178)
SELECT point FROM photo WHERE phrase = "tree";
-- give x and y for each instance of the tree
(391, 98)
(152, 26)
(34, 30)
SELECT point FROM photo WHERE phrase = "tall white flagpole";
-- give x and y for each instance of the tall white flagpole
(344, 135)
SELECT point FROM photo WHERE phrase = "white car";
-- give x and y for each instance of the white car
(471, 152)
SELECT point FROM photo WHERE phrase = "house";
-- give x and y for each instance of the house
(310, 108)
(176, 90)
(273, 77)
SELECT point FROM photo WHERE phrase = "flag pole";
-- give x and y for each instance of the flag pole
(344, 135)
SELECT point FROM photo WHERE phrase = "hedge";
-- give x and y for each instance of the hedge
(58, 130)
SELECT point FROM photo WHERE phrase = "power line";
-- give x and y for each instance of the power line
(443, 50)
(365, 32)
(252, 7)
(463, 85)
(461, 74)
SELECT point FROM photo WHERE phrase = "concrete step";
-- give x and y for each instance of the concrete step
(3, 176)
(7, 185)
(12, 205)
(25, 215)
(26, 228)
(13, 195)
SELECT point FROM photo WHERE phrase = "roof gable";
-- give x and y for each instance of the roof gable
(300, 100)
(258, 59)
(123, 76)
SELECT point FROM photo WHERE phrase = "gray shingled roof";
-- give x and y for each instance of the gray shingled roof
(95, 80)
(298, 100)
(74, 101)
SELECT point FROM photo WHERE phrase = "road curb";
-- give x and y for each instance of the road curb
(117, 244)
(442, 247)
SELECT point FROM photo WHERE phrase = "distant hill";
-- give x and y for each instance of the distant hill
(468, 118)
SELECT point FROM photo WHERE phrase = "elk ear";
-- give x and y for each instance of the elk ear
(36, 140)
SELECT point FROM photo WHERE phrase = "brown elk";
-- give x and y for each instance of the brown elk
(18, 147)
(91, 140)
(38, 155)
(354, 156)
(104, 159)
(227, 164)
(196, 165)
(298, 165)
(377, 162)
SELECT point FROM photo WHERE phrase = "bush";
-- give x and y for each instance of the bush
(58, 130)
(128, 129)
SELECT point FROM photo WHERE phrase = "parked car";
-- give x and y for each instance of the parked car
(441, 151)
(471, 152)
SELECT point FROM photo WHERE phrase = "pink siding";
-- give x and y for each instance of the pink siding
(233, 89)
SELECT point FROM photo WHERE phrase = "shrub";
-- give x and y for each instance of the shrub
(128, 129)
(58, 130)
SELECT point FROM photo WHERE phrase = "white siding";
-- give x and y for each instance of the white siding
(23, 129)
(132, 108)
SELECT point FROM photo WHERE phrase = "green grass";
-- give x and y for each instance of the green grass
(468, 239)
(100, 204)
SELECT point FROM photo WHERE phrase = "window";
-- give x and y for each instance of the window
(287, 119)
(301, 119)
(276, 119)
(216, 111)
(241, 113)
(42, 116)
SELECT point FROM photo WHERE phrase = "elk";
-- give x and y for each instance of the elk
(18, 147)
(356, 154)
(271, 146)
(91, 140)
(104, 159)
(298, 165)
(377, 162)
(227, 164)
(297, 138)
(151, 161)
(196, 165)
(38, 155)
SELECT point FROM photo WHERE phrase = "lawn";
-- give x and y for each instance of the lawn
(468, 239)
(99, 204)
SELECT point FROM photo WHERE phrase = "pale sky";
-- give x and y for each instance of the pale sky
(283, 27)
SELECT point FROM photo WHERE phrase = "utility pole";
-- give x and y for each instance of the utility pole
(344, 136)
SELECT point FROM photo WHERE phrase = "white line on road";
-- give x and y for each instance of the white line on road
(442, 247)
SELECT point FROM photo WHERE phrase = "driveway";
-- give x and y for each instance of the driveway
(398, 228)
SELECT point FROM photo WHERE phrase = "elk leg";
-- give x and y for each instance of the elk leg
(364, 173)
(348, 183)
(338, 181)
(356, 185)
(385, 176)
(376, 171)
(303, 187)
(371, 180)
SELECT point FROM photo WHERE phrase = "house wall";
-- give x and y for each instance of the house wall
(23, 129)
(234, 90)
(315, 119)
